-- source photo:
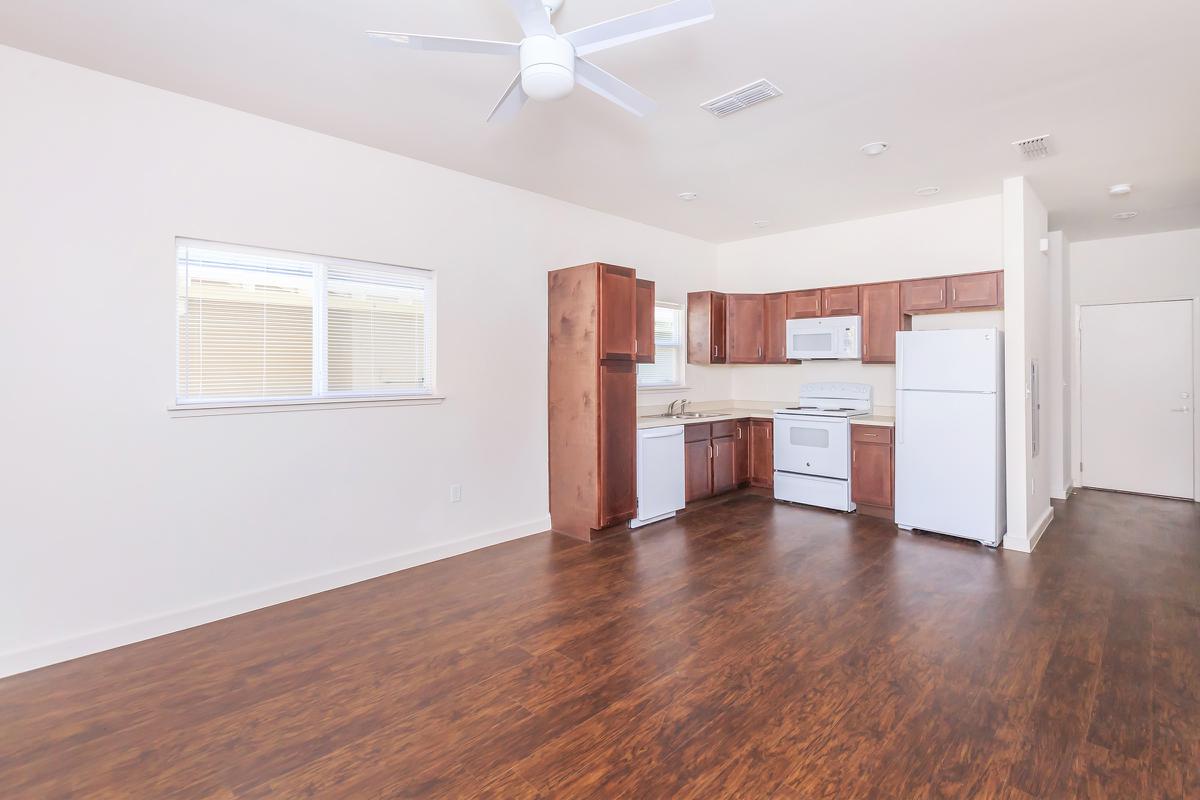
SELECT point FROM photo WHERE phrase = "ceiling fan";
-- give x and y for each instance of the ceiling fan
(552, 63)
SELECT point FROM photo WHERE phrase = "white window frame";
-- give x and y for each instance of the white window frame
(680, 375)
(321, 397)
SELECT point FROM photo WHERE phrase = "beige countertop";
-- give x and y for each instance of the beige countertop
(719, 414)
(883, 420)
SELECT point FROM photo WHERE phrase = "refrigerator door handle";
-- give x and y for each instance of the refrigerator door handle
(900, 417)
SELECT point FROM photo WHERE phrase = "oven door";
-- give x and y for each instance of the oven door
(813, 446)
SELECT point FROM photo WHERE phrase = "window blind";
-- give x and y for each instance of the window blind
(257, 325)
(668, 349)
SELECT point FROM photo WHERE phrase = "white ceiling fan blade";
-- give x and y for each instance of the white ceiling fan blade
(610, 87)
(510, 102)
(639, 25)
(533, 17)
(449, 43)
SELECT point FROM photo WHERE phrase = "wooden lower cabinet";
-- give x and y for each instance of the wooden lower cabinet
(716, 458)
(762, 453)
(741, 451)
(724, 457)
(697, 472)
(872, 478)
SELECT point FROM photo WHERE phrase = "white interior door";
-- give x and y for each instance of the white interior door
(1137, 404)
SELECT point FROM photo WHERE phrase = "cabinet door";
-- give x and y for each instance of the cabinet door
(762, 453)
(644, 329)
(775, 328)
(924, 295)
(706, 328)
(871, 474)
(881, 318)
(741, 452)
(618, 442)
(724, 458)
(744, 328)
(801, 305)
(975, 291)
(618, 312)
(839, 301)
(697, 470)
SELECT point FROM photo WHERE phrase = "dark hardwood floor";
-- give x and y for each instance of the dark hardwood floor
(747, 649)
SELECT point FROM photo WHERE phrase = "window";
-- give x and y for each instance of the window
(256, 326)
(667, 369)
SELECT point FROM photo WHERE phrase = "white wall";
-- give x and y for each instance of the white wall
(1057, 390)
(1027, 339)
(1154, 266)
(939, 240)
(120, 522)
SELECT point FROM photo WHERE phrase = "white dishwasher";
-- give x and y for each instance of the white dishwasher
(659, 474)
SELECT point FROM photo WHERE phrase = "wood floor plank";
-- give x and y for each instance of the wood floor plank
(744, 649)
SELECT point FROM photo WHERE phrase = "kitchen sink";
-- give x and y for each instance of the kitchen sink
(688, 415)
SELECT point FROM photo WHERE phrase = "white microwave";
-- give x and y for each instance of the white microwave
(824, 337)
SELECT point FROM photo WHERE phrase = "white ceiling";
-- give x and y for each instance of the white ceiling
(949, 84)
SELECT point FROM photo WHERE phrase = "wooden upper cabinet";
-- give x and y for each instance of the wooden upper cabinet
(924, 295)
(881, 318)
(644, 328)
(775, 328)
(618, 313)
(706, 328)
(981, 290)
(801, 305)
(839, 301)
(744, 328)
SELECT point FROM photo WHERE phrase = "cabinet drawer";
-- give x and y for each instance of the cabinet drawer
(724, 428)
(878, 434)
(697, 433)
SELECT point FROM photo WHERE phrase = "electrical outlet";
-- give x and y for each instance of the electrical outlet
(455, 492)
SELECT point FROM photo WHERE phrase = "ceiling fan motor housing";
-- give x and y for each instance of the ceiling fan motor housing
(547, 67)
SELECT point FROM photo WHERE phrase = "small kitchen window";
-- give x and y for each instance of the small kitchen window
(258, 326)
(667, 370)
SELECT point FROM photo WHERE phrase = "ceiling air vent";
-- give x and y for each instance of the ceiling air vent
(741, 99)
(1035, 148)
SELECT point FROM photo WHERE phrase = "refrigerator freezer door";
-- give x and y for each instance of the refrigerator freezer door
(948, 463)
(948, 361)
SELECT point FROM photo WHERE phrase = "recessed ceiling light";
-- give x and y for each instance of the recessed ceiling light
(927, 191)
(1118, 189)
(761, 223)
(874, 148)
(1125, 215)
(688, 197)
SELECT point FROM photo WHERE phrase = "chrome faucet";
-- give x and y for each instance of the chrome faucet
(683, 406)
(671, 408)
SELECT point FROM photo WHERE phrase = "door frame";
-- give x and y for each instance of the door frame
(1077, 382)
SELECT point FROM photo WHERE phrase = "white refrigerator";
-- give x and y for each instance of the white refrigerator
(950, 433)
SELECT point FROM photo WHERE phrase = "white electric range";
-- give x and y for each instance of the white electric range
(812, 444)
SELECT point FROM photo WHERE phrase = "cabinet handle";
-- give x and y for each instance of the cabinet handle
(954, 294)
(710, 452)
(739, 431)
(714, 350)
(941, 295)
(760, 351)
(635, 346)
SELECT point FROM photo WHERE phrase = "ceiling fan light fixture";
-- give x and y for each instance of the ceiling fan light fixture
(547, 67)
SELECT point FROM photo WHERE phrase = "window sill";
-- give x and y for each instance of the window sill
(274, 406)
(679, 388)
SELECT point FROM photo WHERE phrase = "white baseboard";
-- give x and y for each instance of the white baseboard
(15, 661)
(1025, 545)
